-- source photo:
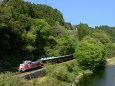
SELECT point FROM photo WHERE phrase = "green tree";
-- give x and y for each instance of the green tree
(110, 50)
(42, 35)
(90, 53)
(108, 30)
(65, 45)
(83, 30)
(68, 26)
(58, 30)
(101, 36)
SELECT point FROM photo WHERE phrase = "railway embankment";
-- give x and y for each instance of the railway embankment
(36, 74)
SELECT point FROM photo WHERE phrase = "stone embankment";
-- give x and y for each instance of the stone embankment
(36, 74)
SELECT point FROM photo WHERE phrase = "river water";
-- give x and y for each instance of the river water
(104, 77)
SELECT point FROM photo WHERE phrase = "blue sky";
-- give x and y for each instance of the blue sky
(92, 12)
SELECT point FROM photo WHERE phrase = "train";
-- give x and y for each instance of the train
(26, 65)
(58, 59)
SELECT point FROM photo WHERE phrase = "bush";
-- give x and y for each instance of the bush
(9, 79)
(52, 82)
(110, 50)
(90, 53)
(59, 73)
(65, 72)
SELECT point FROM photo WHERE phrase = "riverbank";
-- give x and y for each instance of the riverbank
(79, 76)
(111, 61)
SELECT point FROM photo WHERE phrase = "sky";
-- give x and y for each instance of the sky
(92, 12)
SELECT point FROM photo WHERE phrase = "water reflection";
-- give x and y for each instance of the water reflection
(105, 77)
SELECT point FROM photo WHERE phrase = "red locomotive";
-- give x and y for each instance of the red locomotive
(29, 65)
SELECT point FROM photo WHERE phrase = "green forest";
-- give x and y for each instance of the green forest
(33, 31)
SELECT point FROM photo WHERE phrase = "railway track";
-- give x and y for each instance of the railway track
(28, 71)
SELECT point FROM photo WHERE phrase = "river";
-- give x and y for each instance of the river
(104, 77)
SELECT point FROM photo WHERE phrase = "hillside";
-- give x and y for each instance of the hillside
(31, 31)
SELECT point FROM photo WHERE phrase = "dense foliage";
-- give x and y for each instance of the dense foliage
(83, 30)
(31, 31)
(90, 53)
(8, 79)
(64, 72)
(108, 30)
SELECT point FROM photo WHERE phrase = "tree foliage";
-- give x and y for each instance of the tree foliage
(108, 30)
(42, 35)
(25, 29)
(68, 26)
(83, 30)
(31, 31)
(90, 53)
(101, 36)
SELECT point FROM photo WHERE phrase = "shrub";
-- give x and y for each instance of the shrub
(65, 72)
(59, 73)
(52, 82)
(9, 79)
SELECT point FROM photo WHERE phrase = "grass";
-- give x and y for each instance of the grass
(8, 79)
